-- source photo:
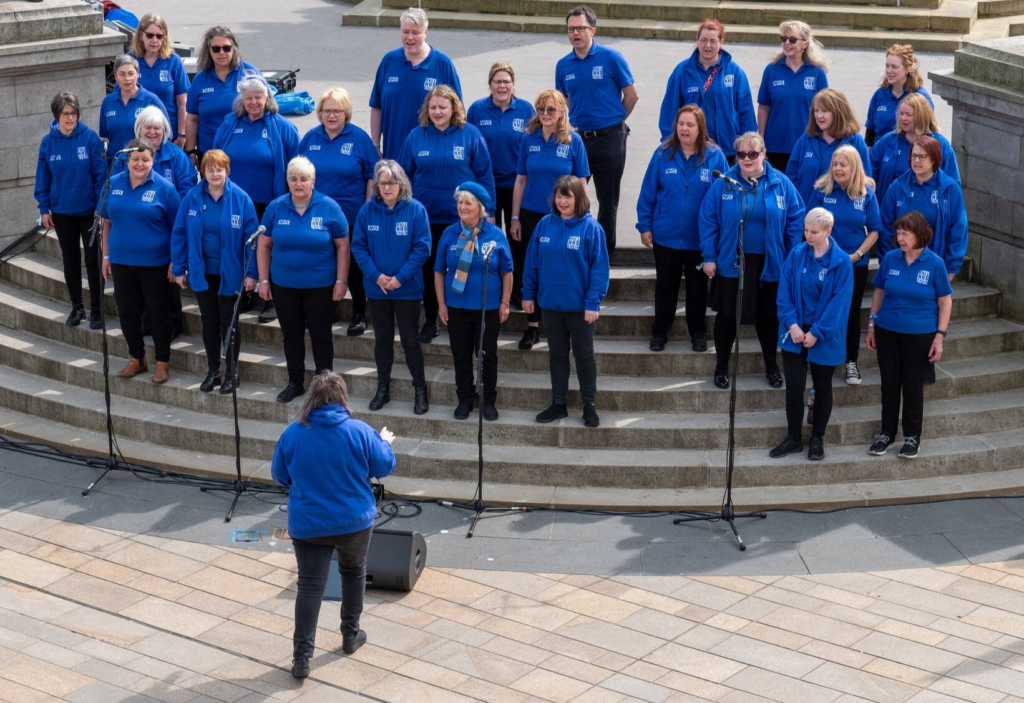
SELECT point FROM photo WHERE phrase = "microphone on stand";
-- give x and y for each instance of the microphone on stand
(731, 181)
(255, 235)
(130, 150)
(487, 249)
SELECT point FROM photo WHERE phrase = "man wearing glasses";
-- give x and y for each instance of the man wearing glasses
(601, 92)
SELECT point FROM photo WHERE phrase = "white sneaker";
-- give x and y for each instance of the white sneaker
(852, 374)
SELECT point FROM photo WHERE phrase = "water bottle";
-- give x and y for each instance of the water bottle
(810, 408)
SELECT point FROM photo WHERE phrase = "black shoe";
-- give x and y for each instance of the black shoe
(95, 320)
(911, 445)
(76, 316)
(421, 406)
(530, 337)
(229, 384)
(590, 418)
(300, 668)
(357, 326)
(490, 413)
(881, 445)
(788, 446)
(211, 381)
(699, 342)
(428, 332)
(929, 374)
(721, 380)
(269, 313)
(291, 391)
(816, 449)
(463, 411)
(657, 343)
(382, 396)
(351, 644)
(774, 379)
(553, 412)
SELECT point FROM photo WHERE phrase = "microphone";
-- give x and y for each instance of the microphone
(752, 181)
(487, 249)
(131, 149)
(731, 181)
(256, 235)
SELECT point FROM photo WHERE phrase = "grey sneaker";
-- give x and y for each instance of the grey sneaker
(852, 374)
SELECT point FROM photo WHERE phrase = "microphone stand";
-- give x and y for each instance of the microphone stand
(728, 512)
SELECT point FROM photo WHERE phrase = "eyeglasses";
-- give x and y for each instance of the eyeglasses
(69, 113)
(217, 48)
(918, 157)
(751, 155)
(332, 113)
(547, 110)
(151, 35)
(578, 30)
(791, 40)
(708, 42)
(387, 184)
(497, 82)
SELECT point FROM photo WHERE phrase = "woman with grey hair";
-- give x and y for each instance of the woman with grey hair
(170, 162)
(390, 242)
(120, 109)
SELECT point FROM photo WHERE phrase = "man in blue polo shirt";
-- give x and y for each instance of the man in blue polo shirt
(601, 92)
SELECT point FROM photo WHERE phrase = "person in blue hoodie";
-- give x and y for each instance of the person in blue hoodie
(677, 179)
(344, 158)
(120, 109)
(404, 78)
(772, 217)
(390, 242)
(213, 91)
(927, 189)
(70, 174)
(902, 77)
(890, 156)
(788, 85)
(208, 254)
(712, 81)
(438, 155)
(170, 161)
(462, 290)
(327, 459)
(566, 274)
(850, 196)
(161, 70)
(814, 306)
(831, 125)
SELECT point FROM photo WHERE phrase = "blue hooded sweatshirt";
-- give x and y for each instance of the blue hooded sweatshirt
(70, 171)
(812, 157)
(343, 165)
(727, 104)
(237, 222)
(816, 292)
(941, 201)
(117, 120)
(392, 242)
(327, 467)
(210, 99)
(851, 218)
(259, 152)
(883, 108)
(720, 223)
(890, 159)
(437, 162)
(173, 164)
(447, 262)
(789, 94)
(671, 194)
(567, 266)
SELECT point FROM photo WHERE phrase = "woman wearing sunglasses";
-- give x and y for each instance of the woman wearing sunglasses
(161, 71)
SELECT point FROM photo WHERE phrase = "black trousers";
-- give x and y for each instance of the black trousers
(766, 320)
(356, 287)
(299, 309)
(670, 265)
(860, 282)
(902, 359)
(528, 221)
(795, 367)
(407, 313)
(74, 233)
(429, 294)
(607, 157)
(174, 310)
(567, 330)
(313, 557)
(779, 160)
(215, 312)
(503, 211)
(464, 338)
(138, 288)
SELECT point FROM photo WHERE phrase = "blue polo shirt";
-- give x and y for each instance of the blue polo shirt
(503, 131)
(399, 90)
(343, 165)
(212, 212)
(303, 254)
(789, 95)
(883, 108)
(252, 159)
(141, 220)
(211, 99)
(447, 262)
(912, 292)
(166, 79)
(594, 86)
(117, 120)
(851, 217)
(544, 162)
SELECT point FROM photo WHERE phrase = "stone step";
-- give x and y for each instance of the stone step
(1000, 8)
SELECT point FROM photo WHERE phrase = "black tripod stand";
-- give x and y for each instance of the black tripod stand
(728, 512)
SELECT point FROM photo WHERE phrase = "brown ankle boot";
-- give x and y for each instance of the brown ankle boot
(134, 368)
(161, 374)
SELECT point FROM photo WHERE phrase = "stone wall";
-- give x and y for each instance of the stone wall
(986, 90)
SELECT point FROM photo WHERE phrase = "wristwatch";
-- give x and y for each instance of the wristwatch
(942, 332)
(179, 135)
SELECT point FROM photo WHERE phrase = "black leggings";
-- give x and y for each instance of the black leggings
(671, 265)
(795, 367)
(503, 211)
(215, 312)
(528, 221)
(766, 324)
(299, 309)
(74, 233)
(384, 314)
(464, 338)
(429, 293)
(860, 282)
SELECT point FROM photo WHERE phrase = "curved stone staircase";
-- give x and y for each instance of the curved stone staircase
(663, 424)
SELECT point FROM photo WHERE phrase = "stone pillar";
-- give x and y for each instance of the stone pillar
(45, 48)
(986, 90)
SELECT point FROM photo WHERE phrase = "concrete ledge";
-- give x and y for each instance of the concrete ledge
(23, 22)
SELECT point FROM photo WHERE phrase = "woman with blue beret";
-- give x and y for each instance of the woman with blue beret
(121, 108)
(566, 275)
(814, 305)
(677, 179)
(771, 216)
(788, 85)
(70, 174)
(902, 77)
(161, 71)
(712, 81)
(208, 254)
(438, 155)
(462, 290)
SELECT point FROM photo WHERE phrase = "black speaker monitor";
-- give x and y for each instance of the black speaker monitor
(395, 561)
